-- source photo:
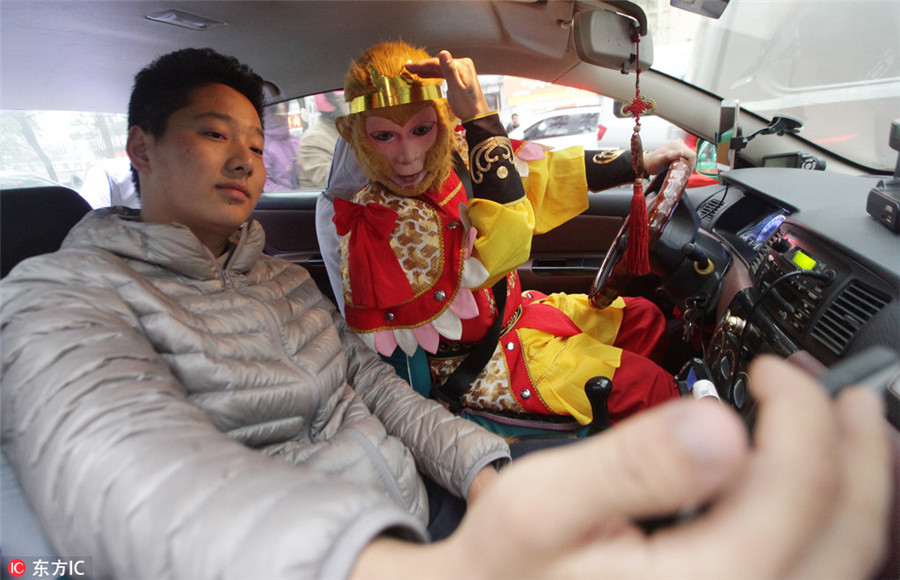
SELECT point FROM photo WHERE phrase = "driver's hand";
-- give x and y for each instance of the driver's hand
(659, 159)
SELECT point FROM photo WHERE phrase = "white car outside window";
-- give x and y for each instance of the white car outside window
(593, 127)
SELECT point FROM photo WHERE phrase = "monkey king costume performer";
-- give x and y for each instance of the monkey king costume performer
(429, 253)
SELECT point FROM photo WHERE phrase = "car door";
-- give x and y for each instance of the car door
(566, 258)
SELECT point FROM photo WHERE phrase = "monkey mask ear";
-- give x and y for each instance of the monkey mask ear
(345, 127)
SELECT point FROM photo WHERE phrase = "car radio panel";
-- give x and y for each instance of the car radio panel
(805, 296)
(791, 281)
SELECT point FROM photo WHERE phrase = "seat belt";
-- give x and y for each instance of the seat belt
(461, 379)
(451, 391)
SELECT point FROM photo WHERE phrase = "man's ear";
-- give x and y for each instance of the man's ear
(136, 146)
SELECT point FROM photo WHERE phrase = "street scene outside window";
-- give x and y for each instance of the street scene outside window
(86, 151)
(552, 115)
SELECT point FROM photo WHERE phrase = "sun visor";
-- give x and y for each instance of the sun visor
(603, 37)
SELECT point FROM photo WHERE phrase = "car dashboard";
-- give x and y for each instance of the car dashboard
(813, 277)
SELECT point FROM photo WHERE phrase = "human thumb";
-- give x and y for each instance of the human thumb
(654, 464)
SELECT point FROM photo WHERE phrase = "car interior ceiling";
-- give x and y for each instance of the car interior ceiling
(105, 61)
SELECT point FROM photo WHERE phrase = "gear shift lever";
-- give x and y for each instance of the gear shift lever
(598, 390)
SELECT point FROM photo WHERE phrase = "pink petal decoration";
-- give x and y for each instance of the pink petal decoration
(385, 343)
(428, 337)
(470, 241)
(464, 305)
(531, 152)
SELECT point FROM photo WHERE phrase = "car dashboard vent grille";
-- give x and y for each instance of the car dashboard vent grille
(763, 253)
(856, 305)
(709, 208)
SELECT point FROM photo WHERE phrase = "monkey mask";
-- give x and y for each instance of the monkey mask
(387, 103)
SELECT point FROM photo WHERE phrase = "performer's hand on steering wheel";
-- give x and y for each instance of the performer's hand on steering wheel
(657, 160)
(613, 275)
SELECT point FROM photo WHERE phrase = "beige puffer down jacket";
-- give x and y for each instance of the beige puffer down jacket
(169, 417)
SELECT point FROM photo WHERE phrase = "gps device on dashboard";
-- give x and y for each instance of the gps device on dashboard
(794, 160)
(884, 205)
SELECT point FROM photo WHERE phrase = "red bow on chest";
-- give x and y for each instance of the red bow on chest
(371, 259)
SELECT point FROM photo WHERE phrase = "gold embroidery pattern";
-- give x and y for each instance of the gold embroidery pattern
(487, 154)
(490, 298)
(512, 321)
(451, 195)
(345, 269)
(491, 388)
(604, 157)
(416, 240)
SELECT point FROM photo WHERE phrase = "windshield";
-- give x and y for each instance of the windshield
(832, 64)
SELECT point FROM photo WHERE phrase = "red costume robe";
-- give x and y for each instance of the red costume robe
(418, 271)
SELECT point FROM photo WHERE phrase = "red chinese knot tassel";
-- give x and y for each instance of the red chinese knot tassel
(638, 254)
(638, 260)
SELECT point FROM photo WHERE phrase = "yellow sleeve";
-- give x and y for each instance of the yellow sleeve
(555, 192)
(504, 235)
(557, 188)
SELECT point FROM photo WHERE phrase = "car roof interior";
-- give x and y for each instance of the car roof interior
(97, 46)
(103, 43)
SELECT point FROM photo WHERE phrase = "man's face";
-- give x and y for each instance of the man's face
(206, 171)
(405, 147)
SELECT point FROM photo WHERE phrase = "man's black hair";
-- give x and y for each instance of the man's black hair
(164, 86)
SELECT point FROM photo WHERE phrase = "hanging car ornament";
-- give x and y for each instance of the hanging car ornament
(638, 258)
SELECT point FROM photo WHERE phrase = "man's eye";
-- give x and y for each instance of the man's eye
(215, 134)
(422, 130)
(257, 150)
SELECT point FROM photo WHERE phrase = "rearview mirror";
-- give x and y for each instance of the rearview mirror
(603, 37)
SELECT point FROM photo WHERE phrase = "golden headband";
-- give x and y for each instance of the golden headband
(392, 91)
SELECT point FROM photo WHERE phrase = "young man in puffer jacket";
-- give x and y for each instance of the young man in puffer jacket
(177, 405)
(168, 336)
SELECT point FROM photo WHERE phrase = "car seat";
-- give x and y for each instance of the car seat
(345, 178)
(35, 221)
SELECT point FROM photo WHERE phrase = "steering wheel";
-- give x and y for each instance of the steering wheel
(613, 276)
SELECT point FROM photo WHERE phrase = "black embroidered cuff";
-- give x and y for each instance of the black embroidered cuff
(608, 168)
(492, 162)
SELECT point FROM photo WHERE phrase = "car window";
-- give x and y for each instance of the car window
(563, 125)
(554, 115)
(60, 147)
(552, 127)
(585, 122)
(57, 147)
(300, 139)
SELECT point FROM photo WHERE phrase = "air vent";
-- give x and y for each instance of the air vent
(763, 253)
(709, 208)
(850, 311)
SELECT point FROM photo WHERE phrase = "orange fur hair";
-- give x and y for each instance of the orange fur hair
(389, 59)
